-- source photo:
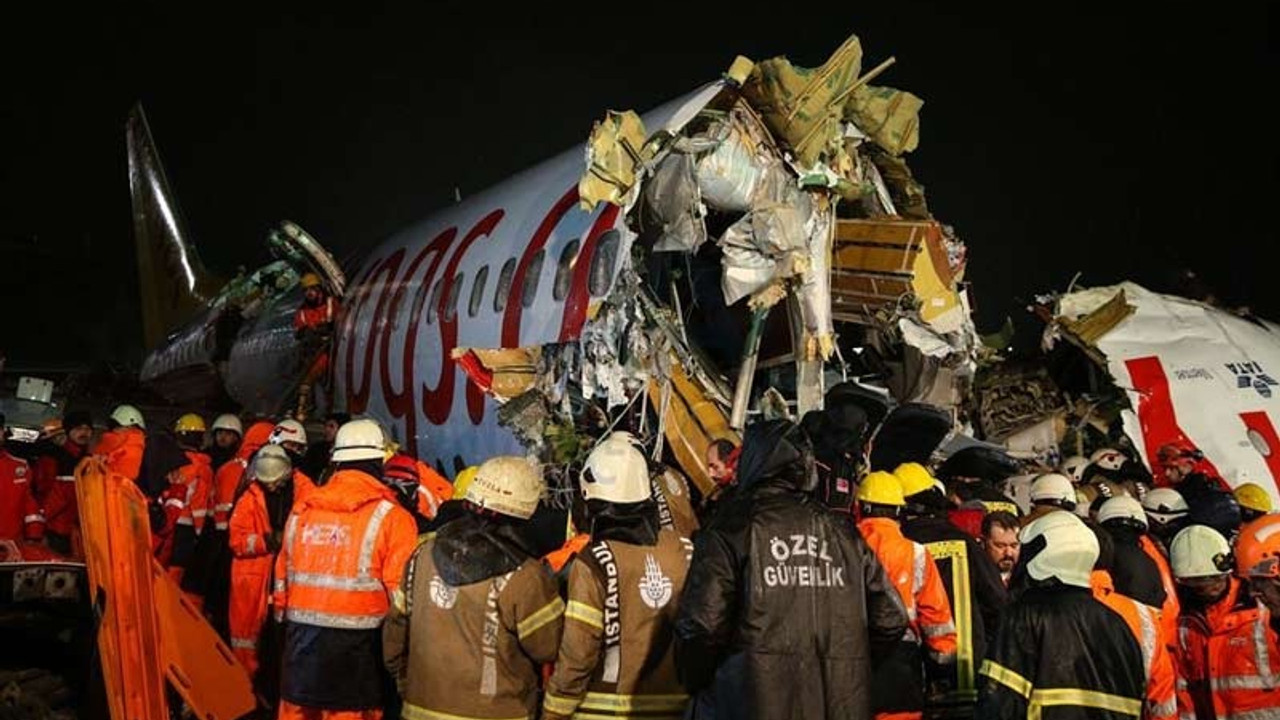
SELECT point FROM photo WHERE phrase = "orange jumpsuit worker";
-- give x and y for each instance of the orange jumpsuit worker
(58, 468)
(257, 530)
(20, 514)
(122, 446)
(197, 478)
(313, 325)
(344, 552)
(897, 685)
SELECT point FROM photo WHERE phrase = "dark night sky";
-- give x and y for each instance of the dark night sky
(1123, 143)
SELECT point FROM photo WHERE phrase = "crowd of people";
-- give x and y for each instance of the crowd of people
(352, 580)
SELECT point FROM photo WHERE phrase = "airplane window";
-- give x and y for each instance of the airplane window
(434, 302)
(602, 263)
(451, 305)
(477, 291)
(504, 285)
(564, 271)
(529, 292)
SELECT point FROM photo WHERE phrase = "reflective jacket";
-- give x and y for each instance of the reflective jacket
(58, 473)
(122, 450)
(675, 504)
(316, 316)
(1062, 655)
(616, 656)
(476, 619)
(254, 536)
(433, 490)
(1170, 610)
(227, 480)
(20, 514)
(1157, 662)
(1228, 660)
(344, 551)
(898, 684)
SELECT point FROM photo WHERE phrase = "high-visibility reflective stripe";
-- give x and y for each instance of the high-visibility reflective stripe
(1007, 677)
(223, 507)
(540, 618)
(938, 630)
(958, 553)
(909, 636)
(1166, 709)
(339, 621)
(174, 502)
(244, 643)
(65, 478)
(1182, 684)
(942, 658)
(290, 532)
(559, 704)
(220, 525)
(1260, 714)
(33, 518)
(364, 563)
(917, 567)
(611, 702)
(184, 520)
(1076, 697)
(334, 582)
(1239, 682)
(1147, 621)
(251, 542)
(1261, 656)
(412, 712)
(279, 585)
(585, 613)
(200, 513)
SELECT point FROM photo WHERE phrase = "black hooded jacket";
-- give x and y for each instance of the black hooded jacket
(785, 605)
(1134, 572)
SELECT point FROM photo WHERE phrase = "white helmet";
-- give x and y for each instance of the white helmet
(1069, 551)
(359, 440)
(507, 484)
(271, 465)
(128, 416)
(1124, 508)
(1164, 505)
(230, 423)
(616, 472)
(288, 431)
(1199, 551)
(1054, 489)
(1073, 467)
(1108, 459)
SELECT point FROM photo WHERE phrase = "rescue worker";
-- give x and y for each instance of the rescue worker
(1000, 538)
(20, 515)
(122, 446)
(898, 681)
(974, 589)
(977, 473)
(1158, 645)
(313, 326)
(292, 436)
(1228, 658)
(61, 508)
(166, 459)
(616, 655)
(785, 606)
(1166, 514)
(1258, 561)
(1050, 492)
(1254, 501)
(1132, 570)
(400, 472)
(227, 432)
(257, 526)
(318, 452)
(343, 554)
(478, 615)
(197, 478)
(1074, 467)
(1060, 653)
(1184, 467)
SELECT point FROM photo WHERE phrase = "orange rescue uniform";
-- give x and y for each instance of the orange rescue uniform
(1170, 611)
(20, 514)
(228, 478)
(122, 449)
(1148, 629)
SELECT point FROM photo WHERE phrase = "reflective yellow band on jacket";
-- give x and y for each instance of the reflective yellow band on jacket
(1007, 677)
(540, 618)
(1166, 709)
(559, 704)
(244, 643)
(601, 716)
(413, 712)
(962, 610)
(610, 702)
(584, 613)
(1077, 697)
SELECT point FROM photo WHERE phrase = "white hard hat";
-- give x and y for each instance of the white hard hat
(128, 416)
(1069, 551)
(288, 431)
(1122, 507)
(1164, 505)
(1199, 551)
(1073, 467)
(507, 484)
(616, 472)
(1052, 487)
(271, 465)
(1108, 458)
(359, 440)
(228, 422)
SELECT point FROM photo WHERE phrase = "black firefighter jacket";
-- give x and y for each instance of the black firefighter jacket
(784, 605)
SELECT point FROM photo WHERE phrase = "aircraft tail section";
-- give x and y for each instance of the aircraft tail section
(173, 281)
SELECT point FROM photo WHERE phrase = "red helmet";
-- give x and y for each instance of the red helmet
(401, 469)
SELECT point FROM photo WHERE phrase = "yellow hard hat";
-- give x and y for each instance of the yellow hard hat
(1253, 497)
(190, 422)
(881, 488)
(914, 478)
(463, 480)
(309, 280)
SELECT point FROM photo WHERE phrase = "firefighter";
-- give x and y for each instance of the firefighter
(404, 474)
(478, 614)
(978, 473)
(616, 658)
(20, 515)
(1166, 514)
(897, 683)
(292, 436)
(1254, 501)
(256, 532)
(167, 461)
(197, 477)
(61, 507)
(1258, 561)
(343, 553)
(227, 433)
(974, 589)
(1060, 653)
(785, 605)
(1074, 467)
(1227, 656)
(1049, 493)
(122, 446)
(313, 327)
(1184, 467)
(1133, 571)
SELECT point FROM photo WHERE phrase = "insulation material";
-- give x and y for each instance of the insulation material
(613, 160)
(814, 292)
(890, 117)
(672, 214)
(767, 244)
(729, 175)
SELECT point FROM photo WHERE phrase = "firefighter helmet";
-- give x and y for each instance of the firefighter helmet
(1108, 459)
(1059, 545)
(507, 484)
(1258, 549)
(1164, 505)
(914, 478)
(1199, 551)
(228, 422)
(1251, 496)
(616, 472)
(271, 465)
(1123, 509)
(128, 416)
(189, 423)
(881, 488)
(463, 479)
(1053, 489)
(288, 430)
(309, 280)
(359, 440)
(1073, 467)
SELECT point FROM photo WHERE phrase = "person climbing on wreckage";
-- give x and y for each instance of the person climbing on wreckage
(313, 325)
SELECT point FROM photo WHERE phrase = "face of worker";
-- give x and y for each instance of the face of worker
(716, 466)
(313, 295)
(1268, 591)
(330, 430)
(1175, 469)
(1002, 545)
(1206, 589)
(225, 439)
(80, 435)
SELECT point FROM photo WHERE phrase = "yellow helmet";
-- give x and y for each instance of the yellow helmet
(914, 478)
(309, 280)
(881, 488)
(190, 422)
(463, 480)
(1253, 497)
